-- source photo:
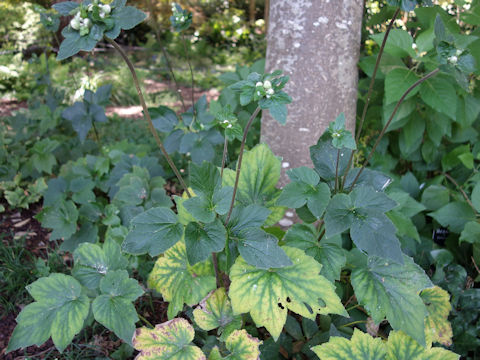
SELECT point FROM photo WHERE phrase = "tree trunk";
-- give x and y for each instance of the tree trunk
(316, 43)
(251, 12)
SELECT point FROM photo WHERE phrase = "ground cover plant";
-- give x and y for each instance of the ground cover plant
(359, 278)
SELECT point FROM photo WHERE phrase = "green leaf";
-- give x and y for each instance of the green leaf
(341, 138)
(391, 290)
(200, 208)
(476, 197)
(435, 196)
(330, 255)
(92, 262)
(125, 18)
(202, 240)
(279, 112)
(309, 191)
(243, 346)
(361, 346)
(216, 312)
(437, 326)
(268, 294)
(454, 216)
(259, 176)
(471, 233)
(169, 340)
(59, 311)
(154, 231)
(164, 119)
(363, 212)
(64, 8)
(324, 157)
(118, 292)
(440, 94)
(61, 218)
(404, 225)
(409, 5)
(399, 43)
(260, 249)
(180, 283)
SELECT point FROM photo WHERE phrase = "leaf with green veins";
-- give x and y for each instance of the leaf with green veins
(437, 326)
(361, 346)
(59, 311)
(169, 340)
(154, 231)
(454, 215)
(203, 240)
(247, 217)
(471, 233)
(164, 119)
(180, 283)
(259, 176)
(406, 204)
(397, 83)
(61, 218)
(304, 174)
(330, 255)
(184, 217)
(118, 292)
(409, 5)
(260, 249)
(42, 158)
(391, 290)
(400, 346)
(222, 199)
(399, 43)
(268, 294)
(242, 346)
(205, 179)
(92, 262)
(215, 311)
(341, 138)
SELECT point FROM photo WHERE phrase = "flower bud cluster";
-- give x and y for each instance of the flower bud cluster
(81, 21)
(227, 123)
(81, 24)
(454, 58)
(179, 17)
(267, 87)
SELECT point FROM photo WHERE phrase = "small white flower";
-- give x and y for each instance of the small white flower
(229, 126)
(75, 23)
(268, 96)
(258, 93)
(106, 9)
(267, 85)
(335, 134)
(87, 22)
(453, 59)
(270, 91)
(258, 84)
(459, 52)
(90, 7)
(182, 19)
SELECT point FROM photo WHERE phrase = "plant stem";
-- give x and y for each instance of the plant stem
(147, 114)
(370, 89)
(467, 199)
(224, 156)
(96, 132)
(191, 74)
(218, 276)
(382, 133)
(354, 323)
(336, 170)
(148, 323)
(239, 163)
(165, 54)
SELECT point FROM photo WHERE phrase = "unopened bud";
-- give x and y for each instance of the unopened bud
(258, 84)
(267, 85)
(270, 91)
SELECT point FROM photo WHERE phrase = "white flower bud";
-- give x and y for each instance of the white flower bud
(87, 23)
(90, 7)
(268, 96)
(75, 23)
(459, 52)
(258, 93)
(453, 59)
(259, 84)
(182, 19)
(267, 85)
(106, 9)
(229, 126)
(270, 91)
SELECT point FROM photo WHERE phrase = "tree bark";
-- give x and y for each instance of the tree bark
(316, 43)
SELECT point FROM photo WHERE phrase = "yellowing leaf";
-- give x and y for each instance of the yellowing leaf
(268, 294)
(178, 282)
(216, 312)
(170, 340)
(363, 346)
(437, 326)
(243, 346)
